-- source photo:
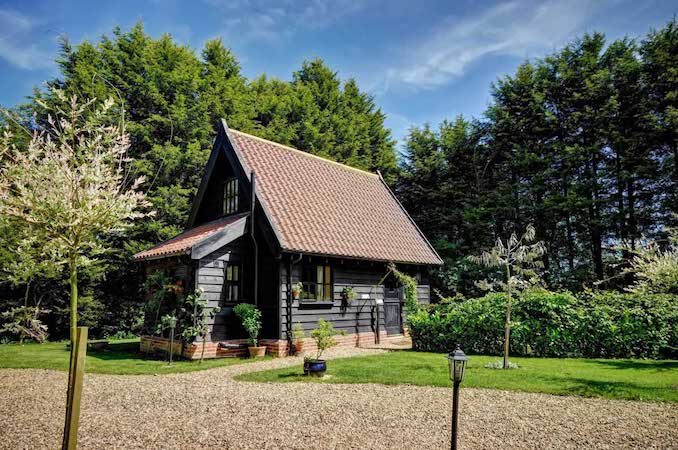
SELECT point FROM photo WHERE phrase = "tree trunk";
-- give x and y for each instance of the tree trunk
(72, 265)
(507, 334)
(633, 224)
(621, 210)
(202, 353)
(74, 300)
(28, 287)
(594, 218)
(507, 324)
(568, 227)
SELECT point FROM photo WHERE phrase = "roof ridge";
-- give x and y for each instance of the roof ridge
(287, 147)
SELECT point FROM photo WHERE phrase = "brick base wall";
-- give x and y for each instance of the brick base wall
(236, 348)
(347, 340)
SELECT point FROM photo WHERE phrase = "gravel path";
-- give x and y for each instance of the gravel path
(209, 410)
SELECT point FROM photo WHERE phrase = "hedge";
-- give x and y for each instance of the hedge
(592, 325)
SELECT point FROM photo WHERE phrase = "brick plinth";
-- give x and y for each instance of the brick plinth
(237, 347)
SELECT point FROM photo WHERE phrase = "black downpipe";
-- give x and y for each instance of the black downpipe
(289, 300)
(253, 199)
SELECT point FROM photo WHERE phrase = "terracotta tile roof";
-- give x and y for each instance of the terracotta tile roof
(183, 242)
(319, 206)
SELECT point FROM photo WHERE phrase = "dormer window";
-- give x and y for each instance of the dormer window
(231, 196)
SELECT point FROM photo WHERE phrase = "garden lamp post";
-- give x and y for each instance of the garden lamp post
(457, 362)
(172, 325)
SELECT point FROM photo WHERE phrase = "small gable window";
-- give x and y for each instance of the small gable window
(231, 196)
(317, 282)
(232, 283)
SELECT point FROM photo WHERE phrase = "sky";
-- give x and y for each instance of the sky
(423, 61)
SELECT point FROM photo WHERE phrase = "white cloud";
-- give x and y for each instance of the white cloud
(272, 20)
(18, 42)
(513, 28)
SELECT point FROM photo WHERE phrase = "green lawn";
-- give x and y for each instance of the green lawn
(619, 378)
(122, 358)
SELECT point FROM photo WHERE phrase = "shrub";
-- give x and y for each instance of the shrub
(595, 325)
(409, 285)
(621, 325)
(298, 333)
(324, 336)
(250, 317)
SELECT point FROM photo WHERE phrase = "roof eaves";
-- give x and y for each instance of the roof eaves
(356, 257)
(161, 255)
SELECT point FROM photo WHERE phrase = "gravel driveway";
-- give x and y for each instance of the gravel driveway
(208, 410)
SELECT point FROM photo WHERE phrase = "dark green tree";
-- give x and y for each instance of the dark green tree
(171, 101)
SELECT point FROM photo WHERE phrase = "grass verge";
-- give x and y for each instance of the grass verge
(647, 380)
(121, 358)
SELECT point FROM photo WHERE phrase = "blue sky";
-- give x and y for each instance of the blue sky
(422, 60)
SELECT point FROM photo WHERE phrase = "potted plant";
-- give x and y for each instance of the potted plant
(324, 339)
(297, 289)
(298, 335)
(347, 294)
(251, 322)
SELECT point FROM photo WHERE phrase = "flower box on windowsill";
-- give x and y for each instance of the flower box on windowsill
(318, 304)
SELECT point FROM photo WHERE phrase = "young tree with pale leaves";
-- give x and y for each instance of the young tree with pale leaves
(655, 268)
(70, 186)
(22, 261)
(519, 260)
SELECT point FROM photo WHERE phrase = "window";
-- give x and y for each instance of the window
(317, 281)
(232, 283)
(231, 197)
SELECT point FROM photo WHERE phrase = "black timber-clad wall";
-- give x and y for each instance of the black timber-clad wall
(210, 273)
(359, 315)
(211, 205)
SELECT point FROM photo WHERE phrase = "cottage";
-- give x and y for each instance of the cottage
(267, 216)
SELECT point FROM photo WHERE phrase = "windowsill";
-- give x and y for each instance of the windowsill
(311, 304)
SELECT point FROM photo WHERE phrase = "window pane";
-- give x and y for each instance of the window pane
(328, 291)
(236, 275)
(319, 278)
(231, 191)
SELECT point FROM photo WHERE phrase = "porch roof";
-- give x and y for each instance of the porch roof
(191, 241)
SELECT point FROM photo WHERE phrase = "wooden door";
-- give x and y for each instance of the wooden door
(393, 313)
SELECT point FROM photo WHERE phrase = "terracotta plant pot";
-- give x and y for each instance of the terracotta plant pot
(295, 295)
(257, 352)
(299, 347)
